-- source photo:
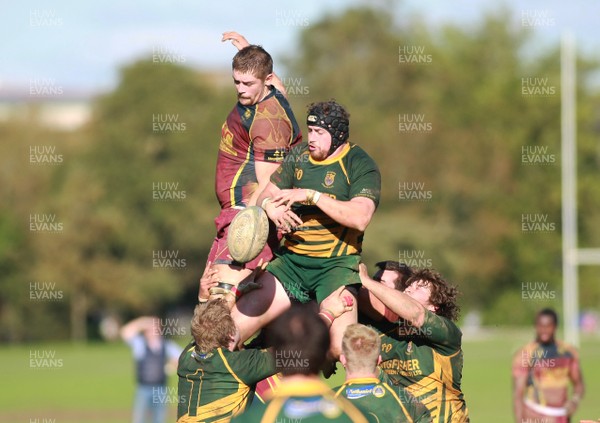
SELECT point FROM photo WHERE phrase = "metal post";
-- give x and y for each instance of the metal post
(569, 192)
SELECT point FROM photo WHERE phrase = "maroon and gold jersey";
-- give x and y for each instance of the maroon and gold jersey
(262, 132)
(547, 367)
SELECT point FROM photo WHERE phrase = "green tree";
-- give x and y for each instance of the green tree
(470, 85)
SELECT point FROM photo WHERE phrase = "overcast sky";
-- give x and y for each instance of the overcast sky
(81, 45)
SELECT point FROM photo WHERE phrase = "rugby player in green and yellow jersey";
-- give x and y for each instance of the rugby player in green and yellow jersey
(360, 355)
(322, 197)
(215, 382)
(300, 342)
(423, 353)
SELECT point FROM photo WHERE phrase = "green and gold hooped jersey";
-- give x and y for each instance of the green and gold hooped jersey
(352, 174)
(428, 362)
(383, 402)
(216, 386)
(306, 401)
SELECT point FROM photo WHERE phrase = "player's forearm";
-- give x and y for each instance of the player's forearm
(268, 192)
(347, 213)
(258, 196)
(263, 171)
(578, 392)
(579, 388)
(400, 303)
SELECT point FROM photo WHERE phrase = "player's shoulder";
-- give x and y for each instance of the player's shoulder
(356, 151)
(435, 320)
(275, 98)
(280, 97)
(530, 346)
(567, 349)
(187, 358)
(188, 349)
(358, 158)
(243, 355)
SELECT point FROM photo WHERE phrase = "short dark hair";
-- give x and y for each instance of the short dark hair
(300, 341)
(548, 312)
(253, 59)
(444, 296)
(396, 266)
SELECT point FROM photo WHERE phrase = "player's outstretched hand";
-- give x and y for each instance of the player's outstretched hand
(338, 302)
(288, 197)
(363, 272)
(208, 280)
(285, 219)
(236, 39)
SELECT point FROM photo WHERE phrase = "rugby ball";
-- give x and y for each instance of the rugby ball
(247, 234)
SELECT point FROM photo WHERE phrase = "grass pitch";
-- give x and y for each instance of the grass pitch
(68, 383)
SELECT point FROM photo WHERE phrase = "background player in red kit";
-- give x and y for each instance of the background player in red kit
(542, 373)
(255, 138)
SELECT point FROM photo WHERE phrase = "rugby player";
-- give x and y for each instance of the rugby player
(371, 311)
(255, 138)
(216, 382)
(361, 346)
(423, 352)
(322, 197)
(542, 373)
(300, 342)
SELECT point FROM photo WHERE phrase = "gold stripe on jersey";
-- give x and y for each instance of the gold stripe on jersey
(237, 177)
(229, 405)
(345, 171)
(229, 367)
(436, 393)
(192, 381)
(387, 387)
(273, 410)
(323, 238)
(404, 410)
(297, 390)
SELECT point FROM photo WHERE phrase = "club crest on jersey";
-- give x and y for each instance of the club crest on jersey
(299, 173)
(409, 348)
(378, 391)
(329, 179)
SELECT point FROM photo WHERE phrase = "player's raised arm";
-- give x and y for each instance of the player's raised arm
(240, 42)
(400, 303)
